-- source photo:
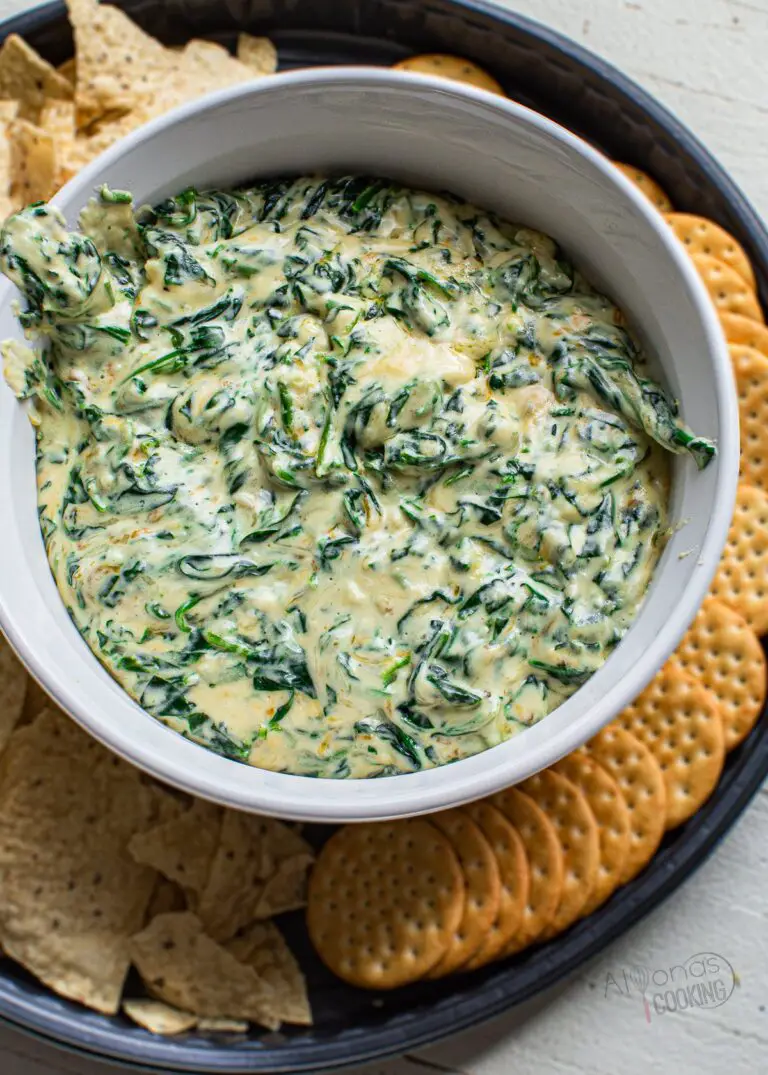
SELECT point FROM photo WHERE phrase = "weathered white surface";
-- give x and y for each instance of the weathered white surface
(706, 59)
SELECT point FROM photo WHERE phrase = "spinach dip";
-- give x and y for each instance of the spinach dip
(336, 477)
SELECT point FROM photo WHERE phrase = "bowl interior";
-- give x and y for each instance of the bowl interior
(426, 133)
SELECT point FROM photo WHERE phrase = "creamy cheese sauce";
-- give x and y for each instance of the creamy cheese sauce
(335, 477)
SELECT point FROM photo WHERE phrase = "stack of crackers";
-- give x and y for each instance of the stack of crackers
(55, 121)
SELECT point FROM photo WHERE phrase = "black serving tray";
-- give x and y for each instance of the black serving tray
(551, 74)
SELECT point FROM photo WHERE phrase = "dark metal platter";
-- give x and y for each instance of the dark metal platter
(580, 91)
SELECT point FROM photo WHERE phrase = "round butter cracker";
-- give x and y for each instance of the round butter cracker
(702, 236)
(639, 776)
(515, 881)
(455, 68)
(750, 369)
(741, 581)
(722, 652)
(545, 859)
(745, 330)
(385, 900)
(483, 888)
(726, 288)
(568, 810)
(649, 187)
(680, 723)
(612, 816)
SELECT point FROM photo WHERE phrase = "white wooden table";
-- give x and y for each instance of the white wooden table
(706, 59)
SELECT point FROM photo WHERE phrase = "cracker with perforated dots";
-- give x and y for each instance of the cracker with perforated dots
(702, 236)
(612, 816)
(640, 779)
(728, 291)
(515, 875)
(483, 888)
(723, 653)
(646, 185)
(568, 810)
(741, 581)
(750, 369)
(385, 902)
(745, 330)
(545, 858)
(679, 721)
(456, 68)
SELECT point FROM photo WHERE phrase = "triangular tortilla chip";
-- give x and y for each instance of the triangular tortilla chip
(286, 889)
(182, 966)
(100, 137)
(166, 897)
(212, 64)
(201, 67)
(157, 1017)
(33, 163)
(160, 1018)
(118, 65)
(71, 896)
(28, 78)
(222, 1026)
(262, 946)
(183, 848)
(68, 70)
(258, 53)
(13, 686)
(58, 119)
(249, 853)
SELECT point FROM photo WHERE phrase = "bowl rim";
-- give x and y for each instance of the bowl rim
(336, 800)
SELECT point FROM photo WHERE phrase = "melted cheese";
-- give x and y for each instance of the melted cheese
(337, 478)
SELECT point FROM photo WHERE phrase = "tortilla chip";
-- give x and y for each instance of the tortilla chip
(28, 78)
(157, 1017)
(249, 852)
(58, 119)
(263, 947)
(35, 701)
(118, 65)
(166, 897)
(213, 64)
(68, 70)
(182, 849)
(222, 1026)
(201, 67)
(8, 112)
(160, 1018)
(13, 686)
(88, 147)
(286, 889)
(258, 53)
(71, 896)
(33, 163)
(182, 966)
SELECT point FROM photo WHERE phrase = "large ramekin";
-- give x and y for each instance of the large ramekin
(432, 133)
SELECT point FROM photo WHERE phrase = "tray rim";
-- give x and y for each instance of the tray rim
(551, 963)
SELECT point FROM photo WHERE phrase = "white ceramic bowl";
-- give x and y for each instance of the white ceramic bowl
(432, 133)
